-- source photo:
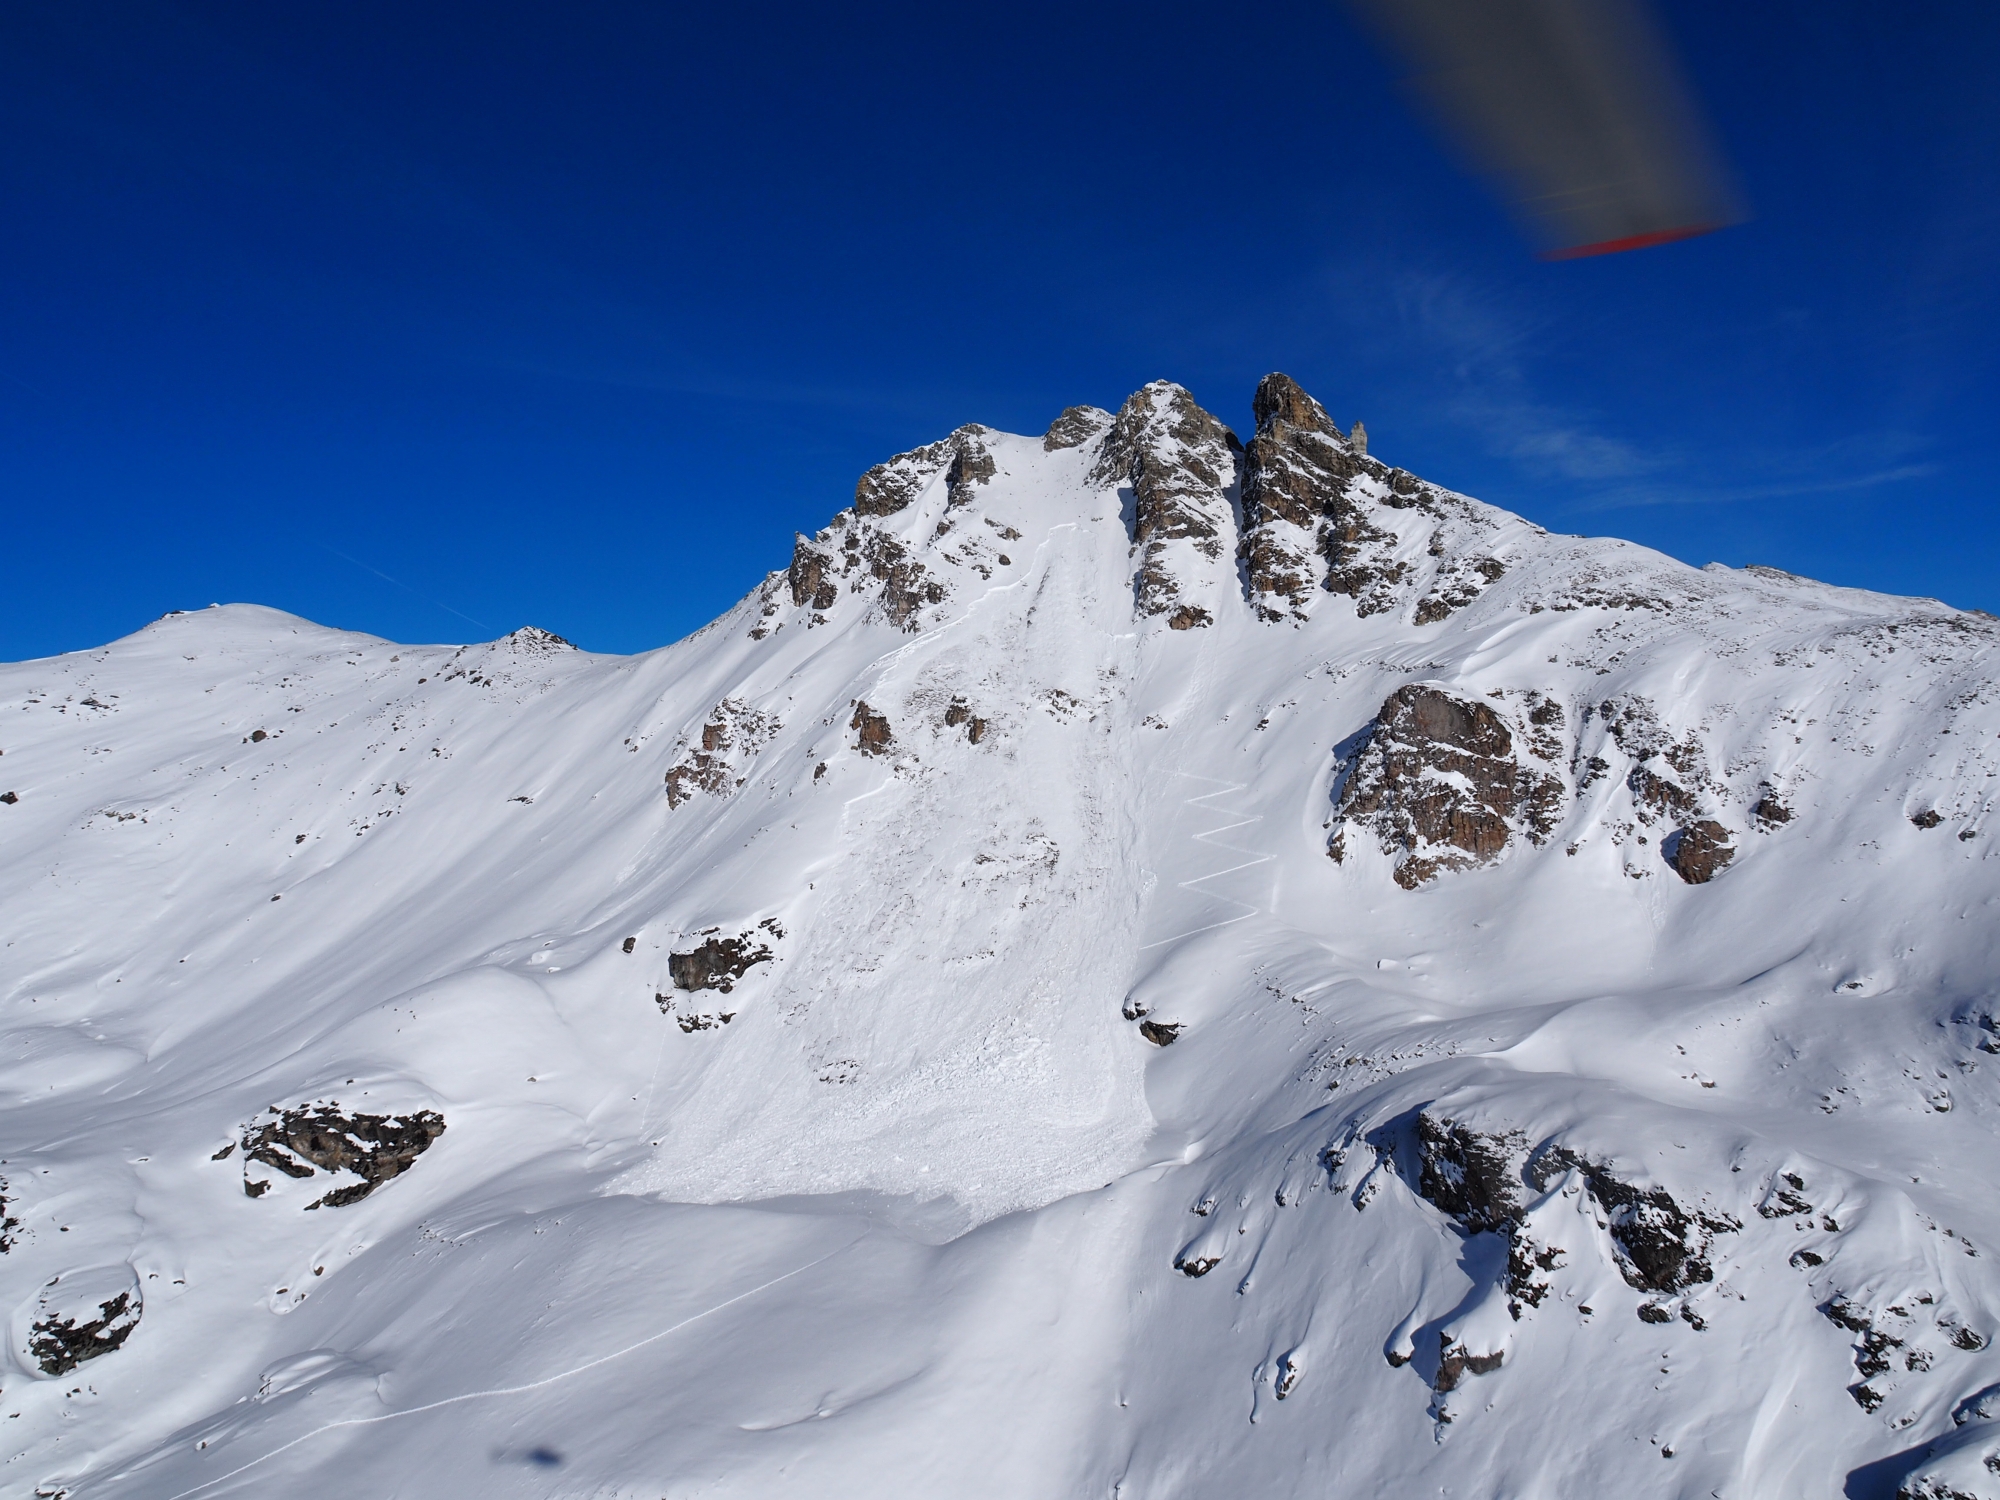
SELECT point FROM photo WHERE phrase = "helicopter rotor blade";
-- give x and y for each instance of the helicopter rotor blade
(1576, 108)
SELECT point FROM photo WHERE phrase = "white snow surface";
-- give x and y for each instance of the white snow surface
(908, 1220)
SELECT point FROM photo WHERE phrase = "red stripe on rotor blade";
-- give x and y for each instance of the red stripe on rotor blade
(1630, 242)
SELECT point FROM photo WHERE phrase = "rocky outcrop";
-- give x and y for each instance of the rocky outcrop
(1180, 464)
(1474, 1177)
(1700, 852)
(1486, 1181)
(1319, 514)
(958, 712)
(1295, 470)
(1457, 585)
(83, 1316)
(532, 640)
(872, 733)
(809, 576)
(892, 484)
(1439, 782)
(1663, 1245)
(1075, 427)
(1455, 1362)
(719, 962)
(322, 1137)
(716, 963)
(970, 466)
(716, 761)
(906, 585)
(1670, 782)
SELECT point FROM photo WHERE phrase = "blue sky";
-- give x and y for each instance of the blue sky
(434, 320)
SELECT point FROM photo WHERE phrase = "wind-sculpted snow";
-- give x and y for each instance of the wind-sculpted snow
(1130, 966)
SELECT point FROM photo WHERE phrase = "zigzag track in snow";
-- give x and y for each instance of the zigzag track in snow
(1208, 836)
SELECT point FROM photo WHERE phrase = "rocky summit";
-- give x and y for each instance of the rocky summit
(1142, 961)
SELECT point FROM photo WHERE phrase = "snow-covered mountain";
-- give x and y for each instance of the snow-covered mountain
(1141, 965)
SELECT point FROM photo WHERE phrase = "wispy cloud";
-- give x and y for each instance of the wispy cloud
(1634, 498)
(1485, 337)
(1487, 340)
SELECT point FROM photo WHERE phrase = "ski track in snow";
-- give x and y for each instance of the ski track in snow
(511, 1390)
(1208, 836)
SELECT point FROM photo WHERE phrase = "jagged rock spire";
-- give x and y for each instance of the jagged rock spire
(1180, 463)
(1295, 473)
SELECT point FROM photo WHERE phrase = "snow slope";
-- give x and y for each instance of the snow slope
(1076, 1125)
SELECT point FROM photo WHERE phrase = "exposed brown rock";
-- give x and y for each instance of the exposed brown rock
(1300, 497)
(1930, 817)
(1438, 783)
(1457, 586)
(1668, 776)
(1478, 1178)
(1160, 1033)
(960, 712)
(1075, 427)
(1296, 459)
(1180, 463)
(1657, 794)
(1769, 811)
(971, 465)
(717, 963)
(1190, 617)
(907, 586)
(1471, 1175)
(1662, 1245)
(373, 1147)
(810, 583)
(1455, 1362)
(1701, 852)
(59, 1345)
(892, 484)
(874, 737)
(1294, 471)
(730, 739)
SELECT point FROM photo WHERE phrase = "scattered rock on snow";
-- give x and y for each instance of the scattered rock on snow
(8, 1223)
(716, 761)
(82, 1315)
(321, 1136)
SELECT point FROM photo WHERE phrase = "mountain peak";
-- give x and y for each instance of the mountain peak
(1134, 927)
